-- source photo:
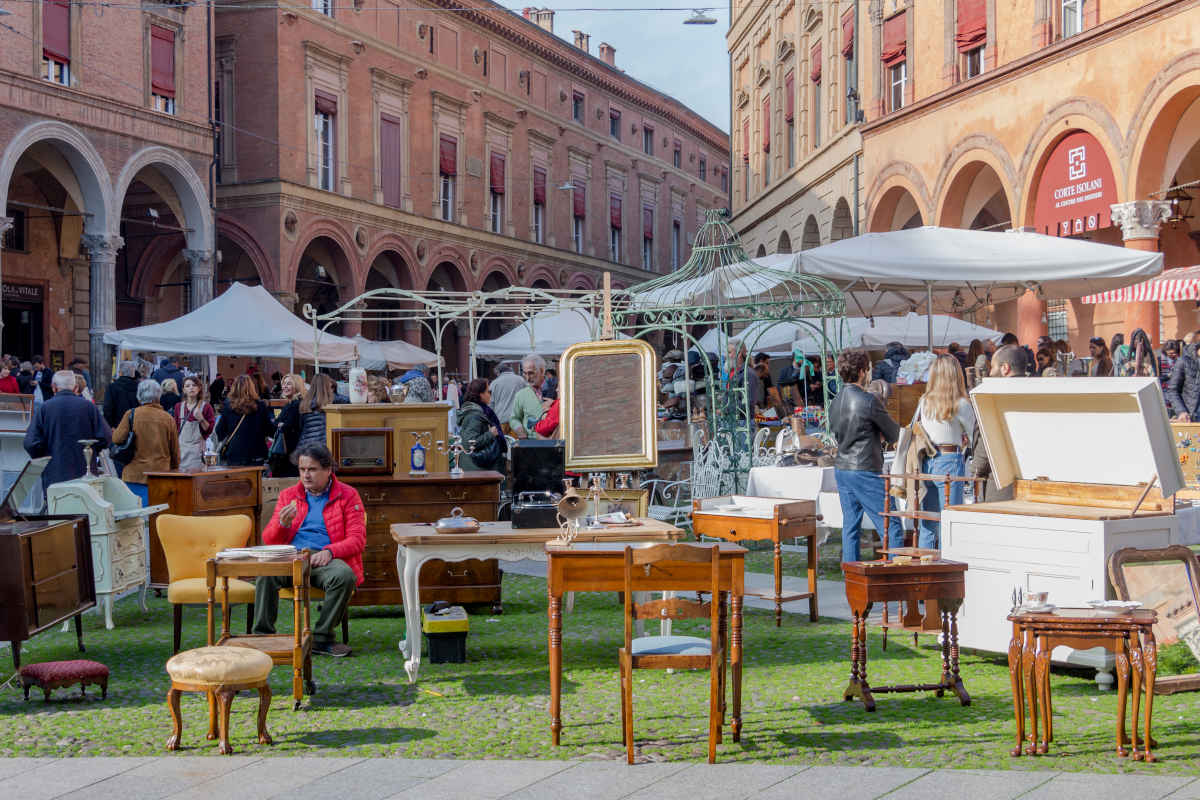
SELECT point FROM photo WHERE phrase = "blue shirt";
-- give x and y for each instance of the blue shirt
(312, 534)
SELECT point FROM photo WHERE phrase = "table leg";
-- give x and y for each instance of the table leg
(1041, 666)
(1135, 659)
(812, 577)
(853, 688)
(79, 632)
(264, 705)
(1027, 679)
(1150, 660)
(736, 664)
(176, 718)
(1014, 678)
(410, 577)
(956, 679)
(224, 701)
(1121, 645)
(945, 681)
(555, 627)
(778, 581)
(723, 623)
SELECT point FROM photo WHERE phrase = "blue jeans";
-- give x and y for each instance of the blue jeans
(935, 494)
(859, 491)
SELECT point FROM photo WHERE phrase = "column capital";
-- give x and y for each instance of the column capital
(100, 246)
(200, 261)
(1140, 219)
(5, 223)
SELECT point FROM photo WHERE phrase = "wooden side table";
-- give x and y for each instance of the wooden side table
(1130, 637)
(295, 648)
(765, 520)
(870, 582)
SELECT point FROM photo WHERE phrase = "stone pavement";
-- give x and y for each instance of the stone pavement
(242, 778)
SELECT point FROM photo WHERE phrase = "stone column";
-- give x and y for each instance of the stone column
(1139, 221)
(462, 330)
(412, 332)
(1031, 318)
(200, 270)
(102, 258)
(5, 224)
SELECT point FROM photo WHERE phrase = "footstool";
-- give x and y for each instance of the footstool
(220, 672)
(55, 674)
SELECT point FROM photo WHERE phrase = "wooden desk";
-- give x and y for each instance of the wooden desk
(1130, 637)
(294, 648)
(768, 520)
(600, 567)
(213, 491)
(419, 543)
(870, 582)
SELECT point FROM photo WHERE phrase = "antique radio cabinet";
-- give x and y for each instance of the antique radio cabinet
(1094, 466)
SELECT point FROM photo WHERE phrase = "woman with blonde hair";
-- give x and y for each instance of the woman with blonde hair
(946, 415)
(292, 388)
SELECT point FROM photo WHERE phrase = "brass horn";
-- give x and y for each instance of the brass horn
(573, 505)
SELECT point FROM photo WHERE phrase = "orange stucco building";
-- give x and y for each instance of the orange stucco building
(1069, 117)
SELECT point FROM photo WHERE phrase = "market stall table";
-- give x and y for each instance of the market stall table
(418, 543)
(870, 582)
(1129, 636)
(738, 519)
(599, 566)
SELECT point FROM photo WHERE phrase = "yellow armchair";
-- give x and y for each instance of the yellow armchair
(188, 543)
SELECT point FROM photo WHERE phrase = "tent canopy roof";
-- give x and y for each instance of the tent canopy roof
(242, 321)
(547, 333)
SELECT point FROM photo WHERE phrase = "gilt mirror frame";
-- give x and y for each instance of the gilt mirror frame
(1174, 555)
(629, 397)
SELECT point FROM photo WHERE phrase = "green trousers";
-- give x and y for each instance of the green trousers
(336, 579)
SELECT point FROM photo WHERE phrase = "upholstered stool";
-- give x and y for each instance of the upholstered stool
(221, 672)
(54, 674)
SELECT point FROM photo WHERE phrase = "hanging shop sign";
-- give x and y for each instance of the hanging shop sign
(21, 292)
(1076, 189)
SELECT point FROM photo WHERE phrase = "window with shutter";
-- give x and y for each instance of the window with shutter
(448, 170)
(614, 228)
(162, 68)
(390, 157)
(497, 192)
(539, 205)
(895, 40)
(56, 41)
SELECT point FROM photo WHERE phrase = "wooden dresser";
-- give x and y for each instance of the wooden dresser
(391, 500)
(215, 491)
(46, 576)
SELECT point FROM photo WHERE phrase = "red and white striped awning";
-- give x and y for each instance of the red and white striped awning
(1174, 284)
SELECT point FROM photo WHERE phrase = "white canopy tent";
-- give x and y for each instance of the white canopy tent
(955, 269)
(242, 321)
(547, 333)
(397, 354)
(911, 330)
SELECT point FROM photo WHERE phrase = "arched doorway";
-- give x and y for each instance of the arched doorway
(843, 223)
(491, 327)
(323, 279)
(977, 199)
(896, 210)
(785, 243)
(812, 234)
(456, 341)
(388, 271)
(761, 251)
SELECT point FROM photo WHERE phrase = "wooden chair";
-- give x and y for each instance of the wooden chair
(674, 652)
(317, 594)
(188, 543)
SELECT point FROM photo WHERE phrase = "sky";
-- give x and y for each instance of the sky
(688, 62)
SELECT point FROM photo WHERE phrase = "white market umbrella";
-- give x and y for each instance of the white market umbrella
(397, 354)
(547, 333)
(912, 330)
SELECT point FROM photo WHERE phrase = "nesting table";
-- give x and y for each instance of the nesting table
(1129, 637)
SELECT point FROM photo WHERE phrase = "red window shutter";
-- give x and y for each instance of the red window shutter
(498, 173)
(539, 186)
(971, 24)
(815, 72)
(56, 29)
(614, 211)
(579, 200)
(162, 61)
(789, 103)
(325, 103)
(848, 34)
(614, 114)
(746, 140)
(447, 155)
(767, 125)
(389, 159)
(678, 146)
(648, 223)
(895, 39)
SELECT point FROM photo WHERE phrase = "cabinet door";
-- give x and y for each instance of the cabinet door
(56, 598)
(52, 551)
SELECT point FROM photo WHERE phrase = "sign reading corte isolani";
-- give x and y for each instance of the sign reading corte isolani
(1076, 188)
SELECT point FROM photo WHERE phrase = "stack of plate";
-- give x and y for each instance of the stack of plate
(266, 552)
(1114, 608)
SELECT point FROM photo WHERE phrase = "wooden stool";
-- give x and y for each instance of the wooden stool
(221, 672)
(51, 675)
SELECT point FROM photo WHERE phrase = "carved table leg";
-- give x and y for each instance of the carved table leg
(723, 623)
(735, 647)
(1014, 677)
(1121, 646)
(224, 701)
(852, 688)
(956, 683)
(1150, 660)
(944, 682)
(1135, 658)
(1027, 678)
(264, 705)
(555, 610)
(176, 719)
(1041, 666)
(778, 581)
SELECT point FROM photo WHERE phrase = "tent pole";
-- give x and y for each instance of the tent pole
(929, 312)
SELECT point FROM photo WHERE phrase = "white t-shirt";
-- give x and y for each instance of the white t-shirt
(951, 431)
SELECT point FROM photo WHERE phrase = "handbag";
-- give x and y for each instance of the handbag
(224, 449)
(277, 456)
(124, 452)
(489, 456)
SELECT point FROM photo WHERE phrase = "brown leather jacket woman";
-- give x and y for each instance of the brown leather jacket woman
(156, 442)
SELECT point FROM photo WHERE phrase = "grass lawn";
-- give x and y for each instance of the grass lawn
(495, 706)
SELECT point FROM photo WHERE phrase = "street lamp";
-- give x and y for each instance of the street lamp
(698, 17)
(1181, 204)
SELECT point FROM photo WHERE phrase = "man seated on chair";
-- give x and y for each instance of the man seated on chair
(326, 516)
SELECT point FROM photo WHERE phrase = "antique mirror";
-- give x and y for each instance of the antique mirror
(1165, 580)
(608, 405)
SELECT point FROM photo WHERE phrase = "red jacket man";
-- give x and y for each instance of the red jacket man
(326, 516)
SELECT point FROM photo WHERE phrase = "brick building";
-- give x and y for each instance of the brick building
(105, 147)
(445, 145)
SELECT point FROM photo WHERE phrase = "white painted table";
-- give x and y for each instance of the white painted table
(419, 542)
